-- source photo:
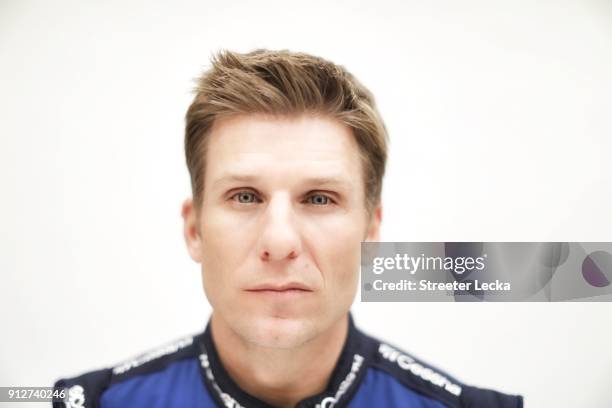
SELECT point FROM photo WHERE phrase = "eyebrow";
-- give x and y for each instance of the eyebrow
(326, 181)
(228, 178)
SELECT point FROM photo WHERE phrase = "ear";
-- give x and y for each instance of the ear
(191, 230)
(373, 232)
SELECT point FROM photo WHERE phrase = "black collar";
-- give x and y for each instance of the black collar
(345, 378)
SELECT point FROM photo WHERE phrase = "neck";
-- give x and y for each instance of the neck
(280, 377)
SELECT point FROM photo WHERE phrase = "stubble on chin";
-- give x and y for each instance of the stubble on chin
(276, 332)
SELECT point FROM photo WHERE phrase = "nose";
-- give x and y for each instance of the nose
(280, 238)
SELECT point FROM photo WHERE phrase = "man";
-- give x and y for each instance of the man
(286, 154)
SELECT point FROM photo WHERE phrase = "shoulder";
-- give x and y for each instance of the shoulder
(416, 379)
(87, 390)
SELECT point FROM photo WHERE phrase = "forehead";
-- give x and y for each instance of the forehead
(283, 149)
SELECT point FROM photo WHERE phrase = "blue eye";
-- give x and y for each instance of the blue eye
(245, 197)
(319, 199)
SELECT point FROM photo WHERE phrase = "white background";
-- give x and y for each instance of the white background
(500, 121)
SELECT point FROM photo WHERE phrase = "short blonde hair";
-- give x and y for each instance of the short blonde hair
(284, 83)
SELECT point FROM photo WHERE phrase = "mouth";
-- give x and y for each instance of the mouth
(280, 289)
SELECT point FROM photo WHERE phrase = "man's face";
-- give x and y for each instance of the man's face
(279, 232)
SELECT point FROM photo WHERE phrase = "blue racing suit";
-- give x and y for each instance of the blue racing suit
(188, 373)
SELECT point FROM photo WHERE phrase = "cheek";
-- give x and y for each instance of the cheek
(337, 253)
(225, 246)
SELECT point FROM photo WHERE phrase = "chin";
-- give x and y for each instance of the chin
(278, 332)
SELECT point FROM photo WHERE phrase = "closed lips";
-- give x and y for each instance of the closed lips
(280, 287)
